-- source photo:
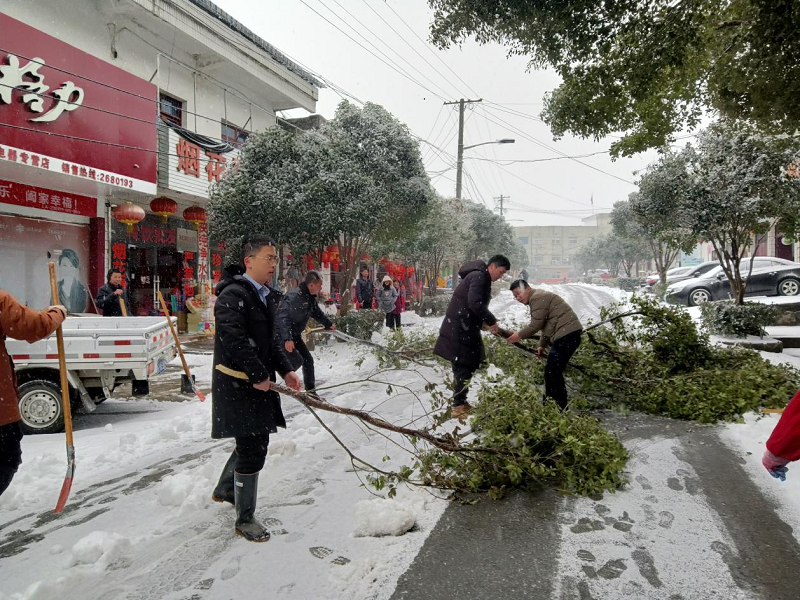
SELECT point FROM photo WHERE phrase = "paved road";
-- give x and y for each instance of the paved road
(690, 525)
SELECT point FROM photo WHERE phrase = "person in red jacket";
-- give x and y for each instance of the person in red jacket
(20, 323)
(783, 446)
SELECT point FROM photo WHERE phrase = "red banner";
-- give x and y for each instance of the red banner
(20, 194)
(77, 114)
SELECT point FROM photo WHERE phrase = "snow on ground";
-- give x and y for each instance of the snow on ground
(637, 542)
(749, 439)
(140, 522)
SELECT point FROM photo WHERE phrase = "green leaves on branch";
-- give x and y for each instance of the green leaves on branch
(648, 69)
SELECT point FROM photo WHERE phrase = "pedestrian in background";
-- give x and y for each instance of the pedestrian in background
(387, 300)
(365, 290)
(399, 304)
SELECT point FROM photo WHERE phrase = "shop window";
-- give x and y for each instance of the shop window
(171, 109)
(234, 134)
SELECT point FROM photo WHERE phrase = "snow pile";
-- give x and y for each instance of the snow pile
(494, 373)
(379, 517)
(38, 477)
(100, 548)
(188, 490)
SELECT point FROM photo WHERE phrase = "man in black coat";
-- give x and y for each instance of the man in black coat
(365, 290)
(460, 334)
(297, 307)
(109, 295)
(246, 355)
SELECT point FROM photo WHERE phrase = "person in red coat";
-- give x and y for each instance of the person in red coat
(783, 446)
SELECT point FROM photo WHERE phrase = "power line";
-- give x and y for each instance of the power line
(511, 161)
(424, 43)
(397, 68)
(559, 152)
(407, 43)
(400, 56)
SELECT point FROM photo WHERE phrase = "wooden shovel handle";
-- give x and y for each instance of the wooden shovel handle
(174, 334)
(62, 360)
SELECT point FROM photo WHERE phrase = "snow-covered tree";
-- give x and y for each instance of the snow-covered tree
(357, 181)
(741, 187)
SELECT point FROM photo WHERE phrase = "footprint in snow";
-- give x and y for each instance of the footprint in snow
(324, 553)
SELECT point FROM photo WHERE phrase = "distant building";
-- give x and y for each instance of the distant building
(551, 249)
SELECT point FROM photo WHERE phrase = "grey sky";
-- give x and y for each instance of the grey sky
(561, 186)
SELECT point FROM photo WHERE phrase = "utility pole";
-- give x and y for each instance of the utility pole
(500, 201)
(460, 161)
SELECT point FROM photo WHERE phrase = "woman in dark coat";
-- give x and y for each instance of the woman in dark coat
(246, 355)
(460, 334)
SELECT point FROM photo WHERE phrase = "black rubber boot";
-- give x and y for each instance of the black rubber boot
(224, 490)
(6, 475)
(246, 491)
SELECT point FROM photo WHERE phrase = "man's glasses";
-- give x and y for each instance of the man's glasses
(273, 258)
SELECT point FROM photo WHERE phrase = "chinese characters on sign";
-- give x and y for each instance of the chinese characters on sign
(189, 161)
(188, 274)
(202, 251)
(67, 98)
(119, 260)
(34, 197)
(154, 235)
(30, 159)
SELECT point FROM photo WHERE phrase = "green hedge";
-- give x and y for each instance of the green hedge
(360, 323)
(726, 318)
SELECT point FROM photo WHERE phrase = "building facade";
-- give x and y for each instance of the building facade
(551, 249)
(115, 120)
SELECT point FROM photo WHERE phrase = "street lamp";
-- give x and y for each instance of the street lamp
(460, 162)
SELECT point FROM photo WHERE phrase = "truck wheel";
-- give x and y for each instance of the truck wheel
(40, 407)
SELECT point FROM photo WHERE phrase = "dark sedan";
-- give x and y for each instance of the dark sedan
(770, 277)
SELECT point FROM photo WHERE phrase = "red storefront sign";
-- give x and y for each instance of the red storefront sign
(67, 111)
(20, 194)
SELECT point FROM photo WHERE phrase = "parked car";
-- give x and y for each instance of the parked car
(770, 277)
(653, 278)
(694, 272)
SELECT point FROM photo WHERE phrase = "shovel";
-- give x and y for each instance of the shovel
(62, 367)
(189, 378)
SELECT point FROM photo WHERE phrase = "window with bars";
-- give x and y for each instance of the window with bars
(171, 109)
(233, 134)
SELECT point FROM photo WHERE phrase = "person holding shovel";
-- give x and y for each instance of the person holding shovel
(246, 355)
(20, 323)
(109, 295)
(560, 329)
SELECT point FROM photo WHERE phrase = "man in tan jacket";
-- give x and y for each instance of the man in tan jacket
(560, 328)
(20, 323)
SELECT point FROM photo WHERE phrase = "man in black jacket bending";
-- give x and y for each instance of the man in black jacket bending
(246, 355)
(460, 334)
(297, 307)
(108, 296)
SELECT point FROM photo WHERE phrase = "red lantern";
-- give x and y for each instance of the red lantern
(164, 207)
(196, 215)
(335, 264)
(129, 213)
(326, 257)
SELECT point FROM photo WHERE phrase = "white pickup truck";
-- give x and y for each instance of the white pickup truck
(101, 352)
